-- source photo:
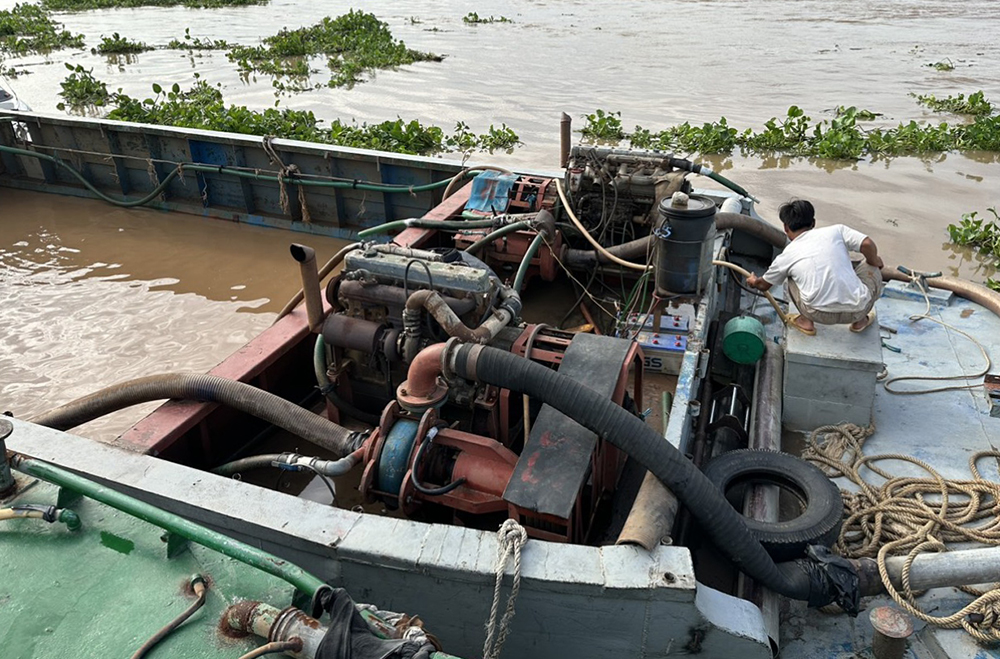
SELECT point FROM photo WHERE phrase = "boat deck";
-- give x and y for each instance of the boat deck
(103, 590)
(942, 429)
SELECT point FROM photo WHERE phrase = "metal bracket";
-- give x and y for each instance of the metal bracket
(66, 497)
(176, 545)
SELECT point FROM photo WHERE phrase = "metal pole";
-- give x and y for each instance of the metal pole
(655, 507)
(762, 500)
(954, 568)
(306, 257)
(565, 137)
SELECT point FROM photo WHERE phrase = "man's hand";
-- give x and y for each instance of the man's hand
(753, 281)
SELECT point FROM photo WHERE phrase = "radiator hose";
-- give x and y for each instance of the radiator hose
(205, 388)
(798, 580)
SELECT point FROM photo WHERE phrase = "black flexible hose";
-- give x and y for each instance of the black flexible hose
(205, 388)
(429, 491)
(601, 415)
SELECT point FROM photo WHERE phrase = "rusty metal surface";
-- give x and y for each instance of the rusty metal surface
(892, 629)
(558, 457)
(653, 511)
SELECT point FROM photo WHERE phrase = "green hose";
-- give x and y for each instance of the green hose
(735, 187)
(449, 225)
(499, 233)
(118, 202)
(325, 386)
(211, 169)
(262, 560)
(522, 270)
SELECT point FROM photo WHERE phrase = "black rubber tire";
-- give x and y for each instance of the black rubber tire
(823, 512)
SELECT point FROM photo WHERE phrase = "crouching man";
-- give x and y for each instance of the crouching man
(825, 286)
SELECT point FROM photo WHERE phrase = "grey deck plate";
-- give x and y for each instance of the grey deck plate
(942, 429)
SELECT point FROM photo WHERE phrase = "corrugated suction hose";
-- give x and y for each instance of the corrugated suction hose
(205, 388)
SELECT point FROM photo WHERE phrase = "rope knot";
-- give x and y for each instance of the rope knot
(286, 172)
(511, 538)
(984, 622)
(510, 533)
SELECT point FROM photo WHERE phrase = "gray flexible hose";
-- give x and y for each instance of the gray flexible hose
(206, 388)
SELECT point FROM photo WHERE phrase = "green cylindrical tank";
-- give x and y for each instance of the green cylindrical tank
(743, 340)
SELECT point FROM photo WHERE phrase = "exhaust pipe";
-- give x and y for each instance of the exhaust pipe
(565, 136)
(306, 256)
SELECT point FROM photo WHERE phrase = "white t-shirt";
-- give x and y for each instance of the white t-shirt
(818, 263)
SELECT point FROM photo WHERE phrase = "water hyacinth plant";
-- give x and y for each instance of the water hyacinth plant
(603, 125)
(354, 43)
(472, 18)
(975, 104)
(81, 90)
(119, 45)
(29, 29)
(197, 43)
(842, 137)
(202, 106)
(981, 233)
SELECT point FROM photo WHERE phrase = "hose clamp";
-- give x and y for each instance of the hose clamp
(447, 358)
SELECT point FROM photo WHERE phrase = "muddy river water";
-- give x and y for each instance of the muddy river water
(91, 294)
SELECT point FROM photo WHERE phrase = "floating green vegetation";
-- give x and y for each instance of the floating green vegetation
(943, 65)
(29, 29)
(498, 139)
(354, 43)
(841, 137)
(202, 106)
(81, 90)
(981, 233)
(116, 44)
(84, 5)
(197, 43)
(603, 125)
(860, 115)
(975, 104)
(472, 18)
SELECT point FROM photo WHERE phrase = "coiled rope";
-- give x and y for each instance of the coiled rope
(907, 516)
(510, 539)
